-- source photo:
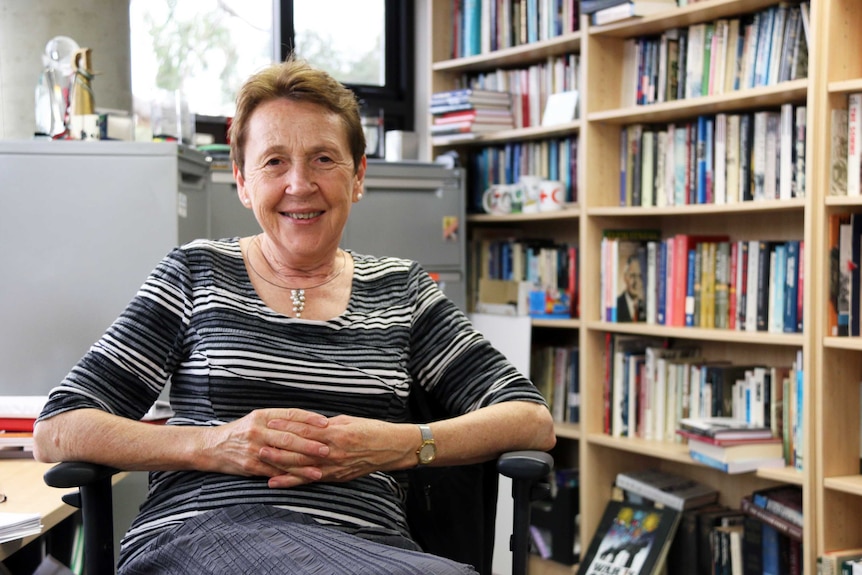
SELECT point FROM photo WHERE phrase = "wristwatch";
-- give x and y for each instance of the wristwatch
(427, 451)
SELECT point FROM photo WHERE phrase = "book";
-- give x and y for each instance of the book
(780, 524)
(725, 428)
(738, 466)
(830, 562)
(630, 9)
(838, 152)
(630, 540)
(668, 489)
(854, 144)
(783, 500)
(707, 523)
(769, 448)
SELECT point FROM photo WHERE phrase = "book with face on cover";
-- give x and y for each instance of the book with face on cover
(630, 540)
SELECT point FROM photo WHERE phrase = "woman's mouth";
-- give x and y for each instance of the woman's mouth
(302, 215)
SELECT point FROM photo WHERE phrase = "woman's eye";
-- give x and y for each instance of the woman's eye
(273, 162)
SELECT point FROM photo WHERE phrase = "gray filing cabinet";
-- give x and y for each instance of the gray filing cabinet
(85, 223)
(414, 210)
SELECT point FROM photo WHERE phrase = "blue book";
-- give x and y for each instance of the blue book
(689, 288)
(771, 550)
(700, 166)
(791, 287)
(709, 171)
(661, 284)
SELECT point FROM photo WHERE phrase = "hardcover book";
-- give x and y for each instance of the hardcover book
(668, 489)
(724, 428)
(630, 540)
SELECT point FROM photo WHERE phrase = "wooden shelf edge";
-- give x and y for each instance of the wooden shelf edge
(536, 50)
(851, 343)
(748, 337)
(794, 90)
(851, 484)
(568, 430)
(700, 209)
(659, 449)
(506, 136)
(783, 475)
(557, 323)
(845, 86)
(679, 17)
(569, 212)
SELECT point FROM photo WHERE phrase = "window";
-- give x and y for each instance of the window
(197, 53)
(379, 68)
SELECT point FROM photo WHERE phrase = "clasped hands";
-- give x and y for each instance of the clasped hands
(295, 446)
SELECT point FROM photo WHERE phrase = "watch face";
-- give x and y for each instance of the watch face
(427, 453)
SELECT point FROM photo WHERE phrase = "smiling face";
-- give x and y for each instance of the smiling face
(299, 179)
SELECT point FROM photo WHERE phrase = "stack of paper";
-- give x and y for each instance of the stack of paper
(17, 525)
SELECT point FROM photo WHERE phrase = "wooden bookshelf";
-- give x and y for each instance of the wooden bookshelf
(830, 478)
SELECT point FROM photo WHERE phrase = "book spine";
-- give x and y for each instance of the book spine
(854, 143)
(781, 525)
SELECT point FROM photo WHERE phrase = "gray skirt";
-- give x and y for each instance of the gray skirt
(253, 539)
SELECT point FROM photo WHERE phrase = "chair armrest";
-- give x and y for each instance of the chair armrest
(77, 474)
(529, 465)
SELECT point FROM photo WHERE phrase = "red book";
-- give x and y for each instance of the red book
(17, 423)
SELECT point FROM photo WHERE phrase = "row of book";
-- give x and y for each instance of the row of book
(759, 49)
(846, 152)
(464, 113)
(480, 26)
(702, 281)
(554, 371)
(551, 159)
(650, 389)
(668, 523)
(531, 86)
(542, 263)
(845, 292)
(721, 159)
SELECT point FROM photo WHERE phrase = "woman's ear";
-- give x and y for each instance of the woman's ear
(240, 187)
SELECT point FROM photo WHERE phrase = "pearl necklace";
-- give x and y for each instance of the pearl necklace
(297, 295)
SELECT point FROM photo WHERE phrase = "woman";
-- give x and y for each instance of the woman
(290, 362)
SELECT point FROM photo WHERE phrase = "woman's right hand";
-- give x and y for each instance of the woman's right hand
(239, 447)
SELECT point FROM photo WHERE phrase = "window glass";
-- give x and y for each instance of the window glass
(201, 50)
(344, 37)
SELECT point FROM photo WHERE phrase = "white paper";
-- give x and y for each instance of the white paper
(561, 108)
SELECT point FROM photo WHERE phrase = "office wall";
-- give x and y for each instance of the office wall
(25, 28)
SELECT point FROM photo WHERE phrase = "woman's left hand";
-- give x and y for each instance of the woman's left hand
(357, 447)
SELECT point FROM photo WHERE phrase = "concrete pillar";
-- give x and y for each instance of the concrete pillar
(25, 28)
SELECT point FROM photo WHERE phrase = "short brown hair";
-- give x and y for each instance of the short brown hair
(296, 80)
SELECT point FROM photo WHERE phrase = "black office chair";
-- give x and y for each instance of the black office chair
(438, 529)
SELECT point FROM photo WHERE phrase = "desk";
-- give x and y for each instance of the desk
(26, 492)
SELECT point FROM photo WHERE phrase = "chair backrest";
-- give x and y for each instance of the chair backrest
(452, 511)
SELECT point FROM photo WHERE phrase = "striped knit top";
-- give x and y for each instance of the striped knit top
(198, 323)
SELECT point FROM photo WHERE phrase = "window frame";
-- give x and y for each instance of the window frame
(396, 97)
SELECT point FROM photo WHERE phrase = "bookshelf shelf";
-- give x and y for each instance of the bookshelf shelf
(851, 484)
(570, 212)
(740, 100)
(770, 206)
(557, 323)
(850, 201)
(695, 333)
(568, 430)
(851, 343)
(659, 449)
(782, 475)
(695, 13)
(845, 87)
(505, 136)
(511, 56)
